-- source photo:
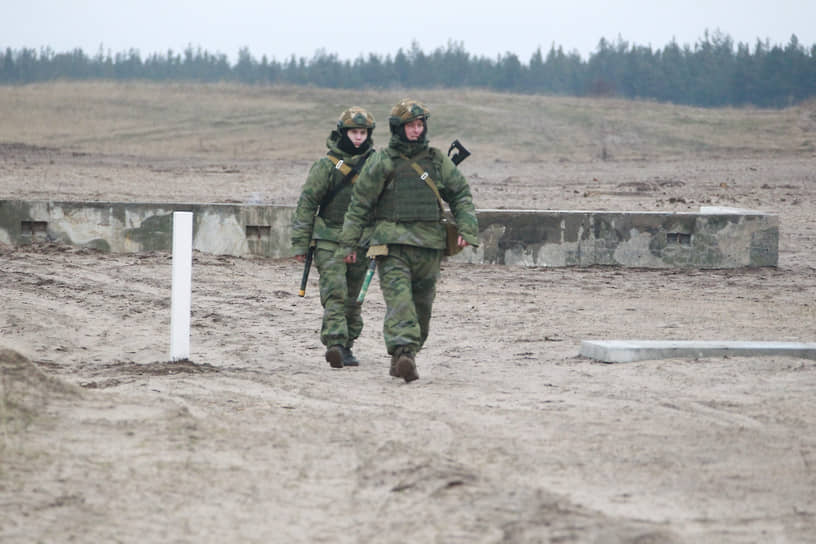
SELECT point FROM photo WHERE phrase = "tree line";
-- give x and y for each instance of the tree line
(714, 72)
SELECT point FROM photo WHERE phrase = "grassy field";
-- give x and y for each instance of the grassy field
(224, 121)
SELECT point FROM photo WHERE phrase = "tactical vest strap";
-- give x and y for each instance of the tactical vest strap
(426, 177)
(350, 175)
(401, 199)
(329, 209)
(451, 230)
(341, 165)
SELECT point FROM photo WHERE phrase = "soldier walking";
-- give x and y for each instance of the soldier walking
(398, 188)
(316, 227)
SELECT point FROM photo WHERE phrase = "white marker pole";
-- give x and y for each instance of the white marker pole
(182, 286)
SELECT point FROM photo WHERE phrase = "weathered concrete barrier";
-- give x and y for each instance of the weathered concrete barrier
(121, 227)
(712, 238)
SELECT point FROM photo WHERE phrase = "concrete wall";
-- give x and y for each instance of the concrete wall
(713, 238)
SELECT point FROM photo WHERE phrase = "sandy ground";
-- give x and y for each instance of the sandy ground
(508, 436)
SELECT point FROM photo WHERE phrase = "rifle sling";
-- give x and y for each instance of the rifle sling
(350, 175)
(424, 176)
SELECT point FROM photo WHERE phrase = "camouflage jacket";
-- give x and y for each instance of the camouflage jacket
(377, 171)
(320, 182)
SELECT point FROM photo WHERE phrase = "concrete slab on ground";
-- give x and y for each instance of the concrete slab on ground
(625, 351)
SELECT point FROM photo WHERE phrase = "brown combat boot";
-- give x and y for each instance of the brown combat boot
(403, 364)
(334, 355)
(393, 370)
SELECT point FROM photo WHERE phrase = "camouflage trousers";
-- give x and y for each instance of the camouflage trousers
(408, 277)
(339, 286)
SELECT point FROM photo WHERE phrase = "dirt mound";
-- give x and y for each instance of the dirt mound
(25, 390)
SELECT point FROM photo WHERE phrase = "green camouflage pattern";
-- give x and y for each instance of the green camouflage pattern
(406, 197)
(407, 110)
(408, 277)
(452, 186)
(339, 285)
(306, 225)
(408, 274)
(356, 117)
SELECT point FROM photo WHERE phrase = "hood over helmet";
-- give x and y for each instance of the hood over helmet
(405, 111)
(355, 117)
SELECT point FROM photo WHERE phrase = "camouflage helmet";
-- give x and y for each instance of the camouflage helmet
(407, 110)
(356, 117)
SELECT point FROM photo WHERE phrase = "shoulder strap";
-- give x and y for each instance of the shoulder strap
(340, 164)
(426, 177)
(350, 175)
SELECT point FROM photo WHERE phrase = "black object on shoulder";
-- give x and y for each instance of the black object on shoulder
(461, 153)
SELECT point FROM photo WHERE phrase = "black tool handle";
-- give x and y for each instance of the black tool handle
(307, 265)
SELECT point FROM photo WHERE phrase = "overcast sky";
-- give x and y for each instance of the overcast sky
(359, 27)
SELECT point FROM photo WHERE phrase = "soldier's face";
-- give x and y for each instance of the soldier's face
(357, 136)
(413, 129)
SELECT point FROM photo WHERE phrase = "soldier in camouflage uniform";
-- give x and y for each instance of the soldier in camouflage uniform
(407, 218)
(318, 220)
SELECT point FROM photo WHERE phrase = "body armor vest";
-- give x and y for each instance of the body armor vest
(334, 210)
(406, 196)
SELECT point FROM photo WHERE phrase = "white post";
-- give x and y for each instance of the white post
(182, 286)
